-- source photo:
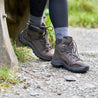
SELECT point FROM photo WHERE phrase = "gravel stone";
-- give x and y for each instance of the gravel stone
(70, 78)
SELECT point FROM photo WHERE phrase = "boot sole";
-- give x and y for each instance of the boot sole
(59, 63)
(27, 43)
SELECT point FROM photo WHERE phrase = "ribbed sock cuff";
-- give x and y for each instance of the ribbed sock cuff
(35, 20)
(60, 32)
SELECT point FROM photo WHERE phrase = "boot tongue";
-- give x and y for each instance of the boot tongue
(36, 28)
(67, 40)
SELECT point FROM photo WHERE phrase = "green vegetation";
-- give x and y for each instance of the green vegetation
(83, 13)
(7, 77)
(22, 53)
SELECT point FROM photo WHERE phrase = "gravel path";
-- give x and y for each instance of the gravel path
(40, 80)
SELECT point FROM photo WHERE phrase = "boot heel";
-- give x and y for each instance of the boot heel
(56, 63)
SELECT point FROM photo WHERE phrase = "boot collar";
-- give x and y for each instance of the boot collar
(64, 40)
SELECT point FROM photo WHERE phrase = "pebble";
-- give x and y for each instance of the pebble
(38, 86)
(78, 75)
(59, 93)
(70, 78)
(25, 87)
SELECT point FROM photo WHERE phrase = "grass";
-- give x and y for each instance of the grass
(22, 53)
(83, 13)
(7, 77)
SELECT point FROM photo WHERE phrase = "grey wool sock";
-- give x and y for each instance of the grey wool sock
(60, 32)
(35, 20)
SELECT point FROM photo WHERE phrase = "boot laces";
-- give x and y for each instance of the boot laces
(44, 40)
(72, 51)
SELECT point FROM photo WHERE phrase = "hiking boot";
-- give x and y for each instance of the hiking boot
(36, 38)
(66, 56)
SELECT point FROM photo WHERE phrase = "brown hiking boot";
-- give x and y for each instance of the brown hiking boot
(66, 56)
(36, 38)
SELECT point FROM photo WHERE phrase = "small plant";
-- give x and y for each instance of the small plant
(7, 77)
(22, 53)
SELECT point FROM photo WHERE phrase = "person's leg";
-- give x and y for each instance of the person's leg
(35, 35)
(59, 16)
(65, 50)
(36, 11)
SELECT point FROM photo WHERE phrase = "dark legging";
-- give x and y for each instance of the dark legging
(58, 10)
